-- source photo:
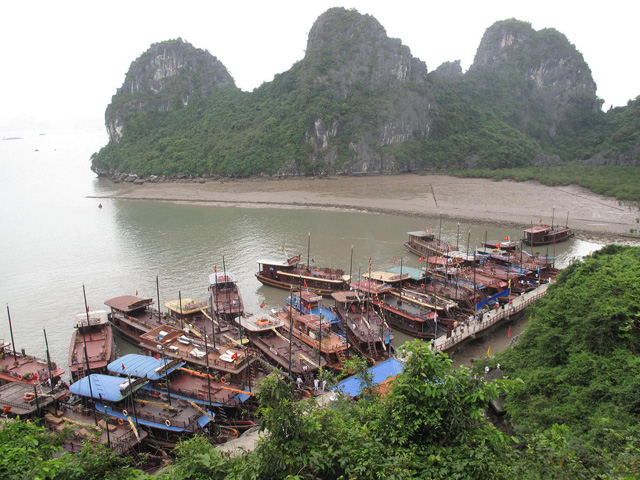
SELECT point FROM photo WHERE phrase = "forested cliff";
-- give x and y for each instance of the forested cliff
(359, 102)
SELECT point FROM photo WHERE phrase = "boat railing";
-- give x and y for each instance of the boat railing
(487, 320)
(122, 443)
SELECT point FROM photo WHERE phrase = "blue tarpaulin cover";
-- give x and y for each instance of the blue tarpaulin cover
(382, 371)
(103, 387)
(202, 421)
(141, 366)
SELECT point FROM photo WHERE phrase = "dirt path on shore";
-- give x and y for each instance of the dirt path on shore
(504, 202)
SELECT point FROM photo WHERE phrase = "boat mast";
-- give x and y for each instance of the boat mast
(206, 356)
(158, 292)
(213, 325)
(351, 266)
(440, 232)
(13, 344)
(46, 342)
(458, 237)
(308, 251)
(290, 326)
(86, 357)
(553, 215)
(181, 314)
(226, 286)
(567, 224)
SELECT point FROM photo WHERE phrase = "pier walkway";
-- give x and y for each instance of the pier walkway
(473, 329)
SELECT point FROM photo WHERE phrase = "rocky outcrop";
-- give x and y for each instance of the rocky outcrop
(168, 76)
(448, 71)
(554, 69)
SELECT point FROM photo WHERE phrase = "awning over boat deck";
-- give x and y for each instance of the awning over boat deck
(128, 303)
(142, 366)
(420, 233)
(387, 277)
(381, 373)
(103, 387)
(416, 274)
(275, 263)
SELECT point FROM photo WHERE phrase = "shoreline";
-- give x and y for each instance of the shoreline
(507, 203)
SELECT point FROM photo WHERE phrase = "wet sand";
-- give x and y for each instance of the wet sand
(504, 202)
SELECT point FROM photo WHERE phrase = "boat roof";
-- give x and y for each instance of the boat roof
(104, 387)
(373, 287)
(282, 262)
(221, 277)
(537, 229)
(260, 322)
(344, 297)
(421, 233)
(97, 317)
(387, 277)
(416, 274)
(307, 296)
(189, 306)
(380, 373)
(142, 366)
(128, 303)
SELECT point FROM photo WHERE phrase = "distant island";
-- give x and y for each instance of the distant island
(360, 103)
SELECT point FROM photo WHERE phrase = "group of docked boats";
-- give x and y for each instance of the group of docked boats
(199, 362)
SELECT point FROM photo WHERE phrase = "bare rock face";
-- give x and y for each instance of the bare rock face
(351, 55)
(168, 76)
(553, 67)
(448, 71)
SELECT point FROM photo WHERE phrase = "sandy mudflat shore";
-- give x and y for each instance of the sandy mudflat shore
(505, 202)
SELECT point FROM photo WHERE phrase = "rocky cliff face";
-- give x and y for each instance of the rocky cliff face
(351, 54)
(554, 68)
(168, 76)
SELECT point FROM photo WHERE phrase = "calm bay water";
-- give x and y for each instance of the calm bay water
(54, 240)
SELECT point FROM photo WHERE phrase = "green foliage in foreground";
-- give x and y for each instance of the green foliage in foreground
(579, 359)
(622, 183)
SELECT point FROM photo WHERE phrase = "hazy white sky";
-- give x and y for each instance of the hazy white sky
(63, 60)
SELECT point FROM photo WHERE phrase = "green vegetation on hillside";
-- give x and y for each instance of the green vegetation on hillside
(579, 360)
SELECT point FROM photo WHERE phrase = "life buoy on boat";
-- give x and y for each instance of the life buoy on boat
(422, 286)
(29, 396)
(223, 380)
(167, 422)
(125, 413)
(431, 288)
(19, 376)
(120, 422)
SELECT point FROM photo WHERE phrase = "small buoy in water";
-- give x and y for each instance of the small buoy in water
(99, 205)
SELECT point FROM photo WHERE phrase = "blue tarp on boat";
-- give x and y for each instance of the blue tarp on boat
(202, 421)
(504, 293)
(381, 372)
(141, 366)
(102, 387)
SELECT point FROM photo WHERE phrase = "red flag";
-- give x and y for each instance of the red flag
(395, 260)
(35, 376)
(426, 228)
(506, 239)
(497, 245)
(305, 283)
(262, 304)
(421, 259)
(123, 366)
(156, 356)
(215, 269)
(6, 409)
(87, 308)
(283, 248)
(540, 221)
(136, 293)
(509, 334)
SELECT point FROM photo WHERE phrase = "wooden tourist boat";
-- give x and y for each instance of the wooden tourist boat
(267, 333)
(86, 426)
(126, 401)
(170, 380)
(226, 302)
(316, 333)
(17, 366)
(189, 314)
(132, 316)
(288, 274)
(546, 235)
(309, 302)
(424, 244)
(93, 336)
(367, 331)
(24, 400)
(224, 356)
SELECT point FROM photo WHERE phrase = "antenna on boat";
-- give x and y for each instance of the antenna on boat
(46, 342)
(567, 224)
(84, 346)
(13, 344)
(553, 215)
